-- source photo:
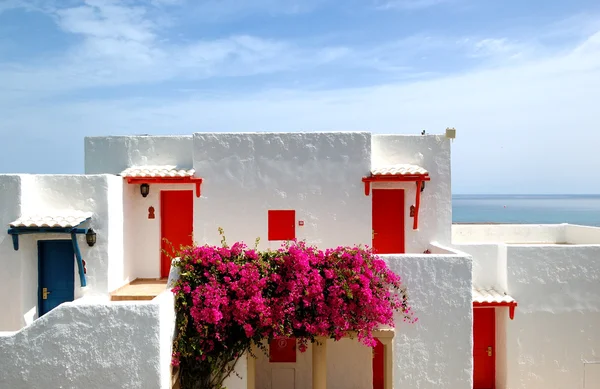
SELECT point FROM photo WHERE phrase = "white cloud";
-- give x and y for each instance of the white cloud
(122, 44)
(106, 19)
(526, 108)
(496, 46)
(520, 126)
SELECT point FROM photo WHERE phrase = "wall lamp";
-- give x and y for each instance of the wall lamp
(90, 237)
(144, 190)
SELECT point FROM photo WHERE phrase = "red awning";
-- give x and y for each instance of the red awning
(490, 297)
(161, 175)
(400, 173)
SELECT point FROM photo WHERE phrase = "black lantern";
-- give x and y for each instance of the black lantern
(90, 237)
(422, 186)
(144, 190)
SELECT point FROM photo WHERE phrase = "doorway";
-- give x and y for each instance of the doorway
(484, 348)
(56, 274)
(378, 365)
(388, 221)
(177, 224)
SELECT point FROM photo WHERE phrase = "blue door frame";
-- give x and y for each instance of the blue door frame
(56, 273)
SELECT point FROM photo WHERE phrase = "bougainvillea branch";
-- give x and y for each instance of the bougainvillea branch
(230, 298)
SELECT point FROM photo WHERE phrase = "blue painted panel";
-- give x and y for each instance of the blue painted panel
(56, 273)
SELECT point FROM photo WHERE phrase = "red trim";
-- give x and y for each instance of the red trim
(392, 178)
(418, 178)
(417, 204)
(167, 180)
(511, 307)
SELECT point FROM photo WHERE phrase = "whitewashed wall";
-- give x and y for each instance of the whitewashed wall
(575, 234)
(11, 263)
(553, 341)
(317, 174)
(349, 366)
(435, 352)
(238, 379)
(90, 345)
(556, 329)
(509, 233)
(49, 194)
(143, 235)
(439, 288)
(113, 154)
(433, 153)
(489, 264)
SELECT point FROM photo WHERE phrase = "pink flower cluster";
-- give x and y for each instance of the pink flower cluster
(230, 297)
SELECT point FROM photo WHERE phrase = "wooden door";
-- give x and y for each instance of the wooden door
(388, 221)
(56, 274)
(484, 344)
(177, 223)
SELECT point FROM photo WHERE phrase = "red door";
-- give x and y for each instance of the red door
(378, 368)
(388, 221)
(176, 222)
(484, 344)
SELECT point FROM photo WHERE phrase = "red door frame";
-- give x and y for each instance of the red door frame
(378, 365)
(484, 336)
(177, 222)
(388, 225)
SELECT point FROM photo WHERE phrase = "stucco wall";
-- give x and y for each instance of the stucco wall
(557, 322)
(239, 378)
(575, 234)
(89, 345)
(316, 174)
(349, 366)
(99, 194)
(53, 194)
(435, 352)
(143, 235)
(431, 152)
(120, 268)
(508, 233)
(489, 264)
(113, 154)
(10, 296)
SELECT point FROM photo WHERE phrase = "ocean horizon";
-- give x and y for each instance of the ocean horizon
(526, 209)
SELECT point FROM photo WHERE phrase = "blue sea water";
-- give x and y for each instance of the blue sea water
(574, 209)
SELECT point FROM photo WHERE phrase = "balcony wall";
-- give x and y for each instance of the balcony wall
(92, 345)
(439, 288)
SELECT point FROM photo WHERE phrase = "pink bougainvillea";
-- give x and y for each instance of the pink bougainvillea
(229, 298)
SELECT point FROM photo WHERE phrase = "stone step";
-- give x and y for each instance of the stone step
(140, 289)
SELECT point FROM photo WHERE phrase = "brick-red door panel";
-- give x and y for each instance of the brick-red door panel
(388, 221)
(378, 365)
(177, 223)
(484, 337)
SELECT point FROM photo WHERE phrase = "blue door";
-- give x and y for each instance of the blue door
(56, 271)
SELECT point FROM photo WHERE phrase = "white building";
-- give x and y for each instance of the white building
(63, 327)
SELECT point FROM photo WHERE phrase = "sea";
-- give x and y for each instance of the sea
(573, 209)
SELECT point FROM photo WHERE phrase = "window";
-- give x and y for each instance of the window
(282, 225)
(282, 350)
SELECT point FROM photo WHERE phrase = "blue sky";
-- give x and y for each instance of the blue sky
(519, 80)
